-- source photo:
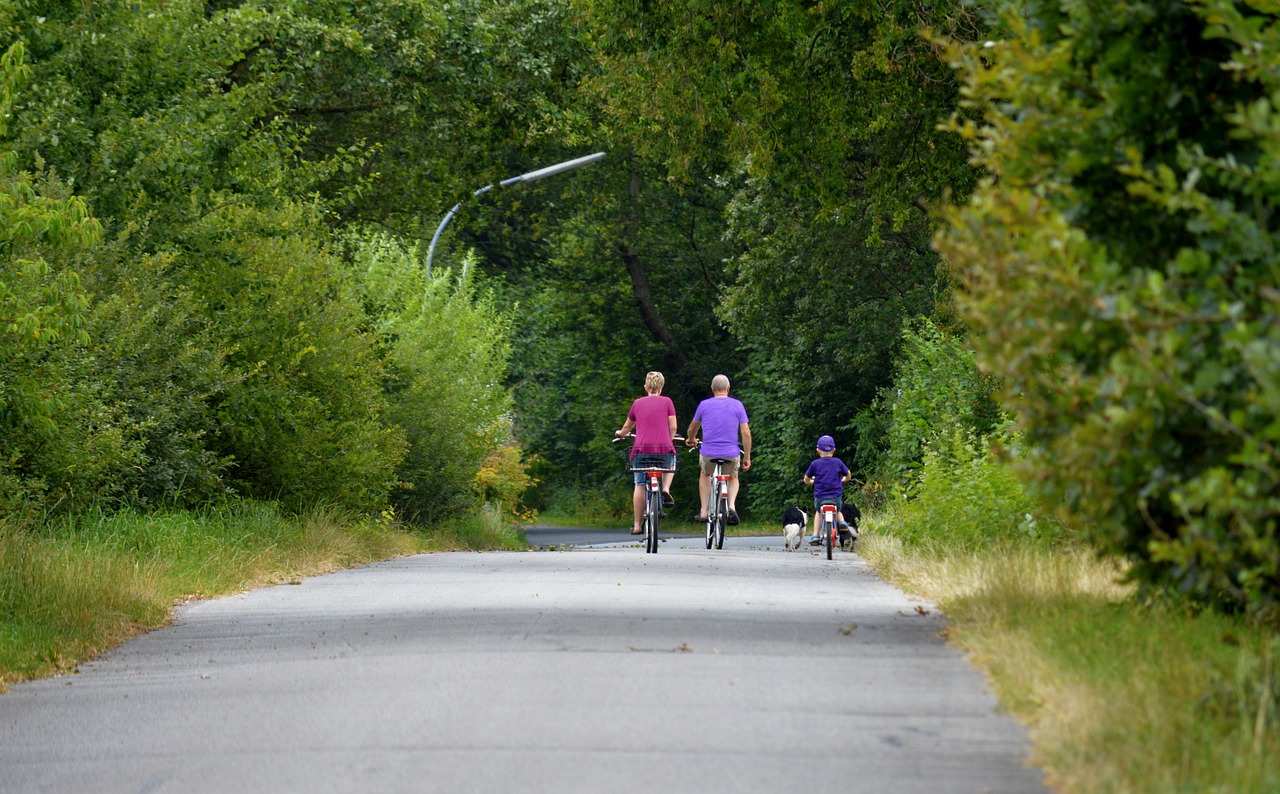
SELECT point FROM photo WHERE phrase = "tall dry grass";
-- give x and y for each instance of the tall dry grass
(74, 589)
(1121, 695)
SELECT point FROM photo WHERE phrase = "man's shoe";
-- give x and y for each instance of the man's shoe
(732, 518)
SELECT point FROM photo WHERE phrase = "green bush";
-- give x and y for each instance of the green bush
(446, 346)
(1118, 270)
(965, 497)
(56, 429)
(307, 421)
(937, 393)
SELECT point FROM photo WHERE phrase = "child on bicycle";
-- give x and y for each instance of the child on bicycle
(827, 474)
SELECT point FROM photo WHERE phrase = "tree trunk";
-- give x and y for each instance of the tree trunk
(627, 249)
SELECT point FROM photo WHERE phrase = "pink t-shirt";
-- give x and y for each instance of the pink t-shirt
(653, 428)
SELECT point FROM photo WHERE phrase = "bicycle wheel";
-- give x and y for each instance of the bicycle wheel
(829, 530)
(711, 514)
(651, 526)
(722, 519)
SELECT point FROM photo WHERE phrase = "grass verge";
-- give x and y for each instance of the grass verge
(1120, 696)
(77, 588)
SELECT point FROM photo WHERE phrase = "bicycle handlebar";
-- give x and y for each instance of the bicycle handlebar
(616, 439)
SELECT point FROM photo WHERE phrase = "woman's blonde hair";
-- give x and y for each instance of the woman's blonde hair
(653, 382)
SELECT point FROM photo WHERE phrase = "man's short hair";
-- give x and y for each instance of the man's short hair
(654, 382)
(719, 383)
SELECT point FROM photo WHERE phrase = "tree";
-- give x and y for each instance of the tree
(1117, 267)
(61, 443)
(257, 375)
(819, 123)
(446, 344)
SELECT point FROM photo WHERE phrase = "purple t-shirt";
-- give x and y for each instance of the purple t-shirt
(720, 417)
(653, 428)
(826, 474)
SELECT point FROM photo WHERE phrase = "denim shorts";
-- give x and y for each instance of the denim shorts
(817, 504)
(651, 459)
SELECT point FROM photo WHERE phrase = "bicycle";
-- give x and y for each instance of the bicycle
(654, 465)
(830, 524)
(717, 507)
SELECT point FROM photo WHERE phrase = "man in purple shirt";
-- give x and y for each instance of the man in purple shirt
(722, 420)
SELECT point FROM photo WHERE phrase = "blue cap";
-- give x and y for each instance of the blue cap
(826, 443)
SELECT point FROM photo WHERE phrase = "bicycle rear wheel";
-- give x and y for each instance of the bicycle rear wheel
(651, 522)
(830, 532)
(722, 519)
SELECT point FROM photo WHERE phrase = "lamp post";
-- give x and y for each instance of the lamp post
(532, 176)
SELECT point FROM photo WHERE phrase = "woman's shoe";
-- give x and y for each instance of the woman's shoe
(732, 518)
(637, 531)
(668, 501)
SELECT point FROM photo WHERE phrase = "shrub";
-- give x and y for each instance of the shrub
(937, 391)
(1118, 271)
(446, 346)
(965, 497)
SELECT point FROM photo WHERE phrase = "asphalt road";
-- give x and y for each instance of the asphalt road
(601, 669)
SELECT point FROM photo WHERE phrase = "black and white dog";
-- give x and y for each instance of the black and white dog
(794, 524)
(852, 517)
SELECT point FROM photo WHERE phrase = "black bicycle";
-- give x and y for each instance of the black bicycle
(654, 465)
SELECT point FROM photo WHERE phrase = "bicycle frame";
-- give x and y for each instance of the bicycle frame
(643, 462)
(718, 505)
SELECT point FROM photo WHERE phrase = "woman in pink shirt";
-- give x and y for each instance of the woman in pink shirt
(654, 419)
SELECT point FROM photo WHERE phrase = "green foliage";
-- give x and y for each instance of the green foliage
(42, 322)
(504, 479)
(489, 527)
(446, 344)
(308, 421)
(219, 145)
(819, 123)
(936, 393)
(582, 336)
(84, 583)
(224, 351)
(964, 497)
(1118, 270)
(163, 366)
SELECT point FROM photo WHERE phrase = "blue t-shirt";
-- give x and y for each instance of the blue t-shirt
(720, 417)
(827, 474)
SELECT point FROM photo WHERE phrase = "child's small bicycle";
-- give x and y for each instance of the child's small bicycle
(830, 524)
(833, 534)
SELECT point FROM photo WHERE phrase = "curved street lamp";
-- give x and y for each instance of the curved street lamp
(532, 176)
